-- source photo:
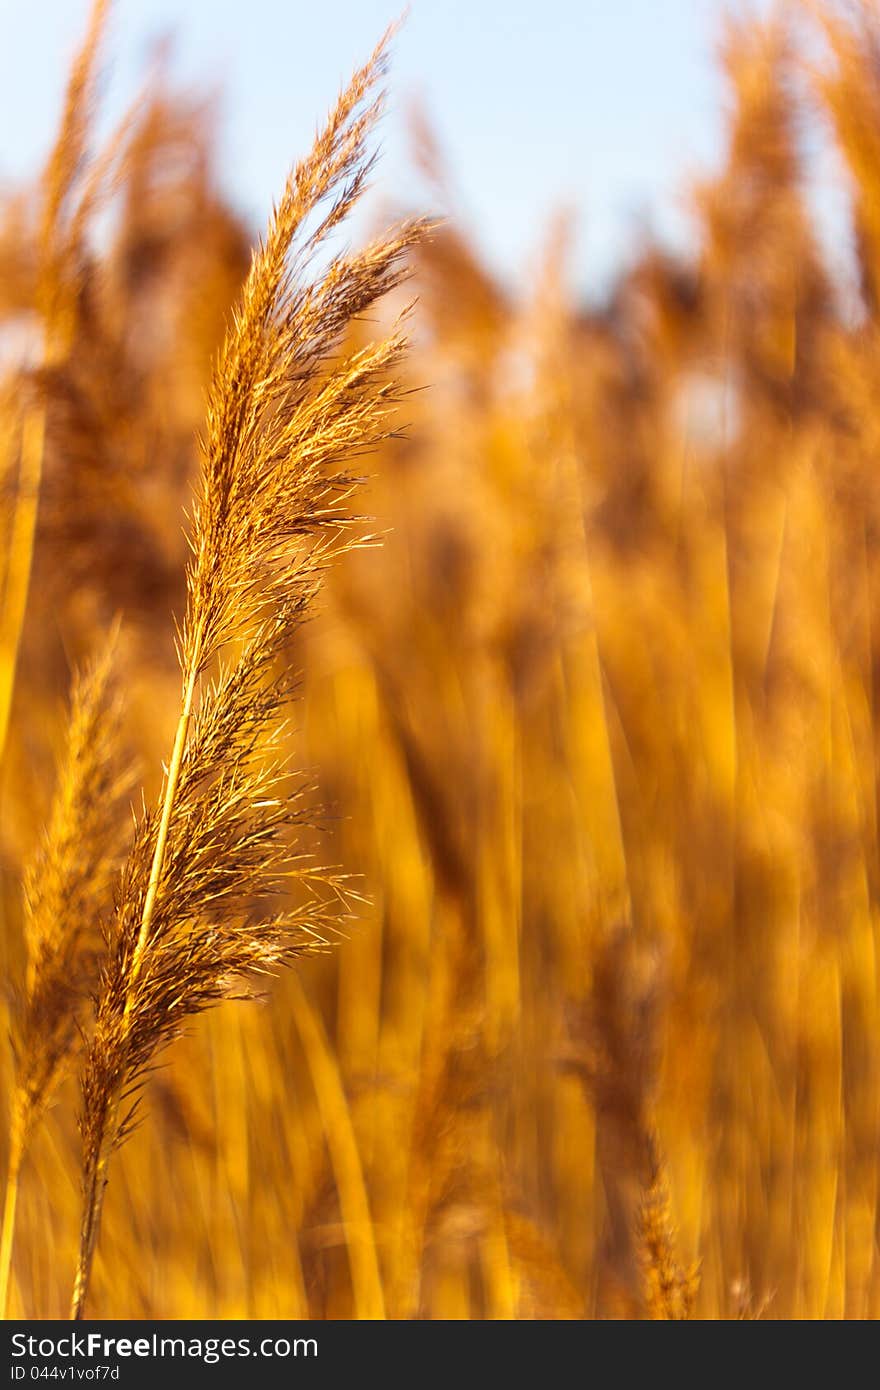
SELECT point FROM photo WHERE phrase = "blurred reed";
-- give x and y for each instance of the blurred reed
(595, 734)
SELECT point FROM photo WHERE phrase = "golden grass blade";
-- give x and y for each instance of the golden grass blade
(20, 558)
(366, 1279)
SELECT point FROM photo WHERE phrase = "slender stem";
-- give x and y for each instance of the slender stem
(165, 821)
(15, 598)
(366, 1278)
(7, 1236)
(96, 1181)
(21, 552)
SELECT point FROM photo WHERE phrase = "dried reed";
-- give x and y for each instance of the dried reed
(67, 891)
(670, 1291)
(63, 220)
(287, 415)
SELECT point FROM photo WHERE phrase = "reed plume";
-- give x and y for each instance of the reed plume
(67, 889)
(670, 1291)
(288, 413)
(68, 197)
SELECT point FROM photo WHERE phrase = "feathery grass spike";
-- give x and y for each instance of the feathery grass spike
(59, 256)
(68, 889)
(289, 412)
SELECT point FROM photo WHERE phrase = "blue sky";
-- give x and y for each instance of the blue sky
(603, 107)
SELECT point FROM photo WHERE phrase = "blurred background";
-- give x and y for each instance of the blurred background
(526, 104)
(598, 723)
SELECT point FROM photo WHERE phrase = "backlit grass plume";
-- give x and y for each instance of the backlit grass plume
(670, 1291)
(69, 192)
(288, 414)
(67, 889)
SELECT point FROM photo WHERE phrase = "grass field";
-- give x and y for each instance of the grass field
(507, 668)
